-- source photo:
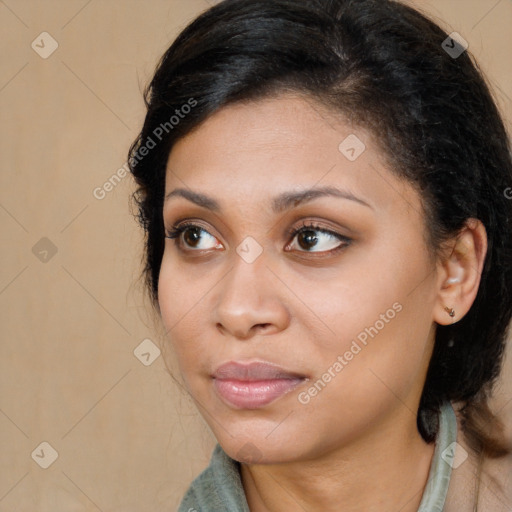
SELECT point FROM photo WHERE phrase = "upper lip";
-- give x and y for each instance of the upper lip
(253, 371)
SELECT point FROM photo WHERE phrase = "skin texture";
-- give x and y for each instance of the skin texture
(354, 445)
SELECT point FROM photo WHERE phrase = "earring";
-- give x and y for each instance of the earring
(450, 311)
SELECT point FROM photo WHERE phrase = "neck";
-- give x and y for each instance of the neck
(385, 470)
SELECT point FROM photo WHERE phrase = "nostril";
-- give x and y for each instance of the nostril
(242, 333)
(261, 327)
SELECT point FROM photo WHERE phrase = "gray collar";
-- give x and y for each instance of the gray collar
(438, 481)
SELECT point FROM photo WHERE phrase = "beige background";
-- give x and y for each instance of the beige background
(127, 438)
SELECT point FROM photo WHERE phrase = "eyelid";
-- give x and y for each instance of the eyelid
(180, 227)
(315, 226)
(312, 225)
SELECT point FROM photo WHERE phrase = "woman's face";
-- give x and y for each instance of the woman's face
(299, 298)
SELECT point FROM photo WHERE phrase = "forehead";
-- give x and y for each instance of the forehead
(255, 149)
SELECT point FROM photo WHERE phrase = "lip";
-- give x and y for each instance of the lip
(253, 385)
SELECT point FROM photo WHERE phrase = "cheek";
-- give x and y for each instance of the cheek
(169, 289)
(377, 297)
(181, 288)
(180, 297)
(351, 299)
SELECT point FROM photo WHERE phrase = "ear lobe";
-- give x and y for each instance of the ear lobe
(460, 272)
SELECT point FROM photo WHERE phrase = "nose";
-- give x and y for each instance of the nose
(250, 302)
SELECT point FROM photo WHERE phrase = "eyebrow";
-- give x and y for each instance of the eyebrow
(280, 203)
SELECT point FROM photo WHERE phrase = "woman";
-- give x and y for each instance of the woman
(323, 188)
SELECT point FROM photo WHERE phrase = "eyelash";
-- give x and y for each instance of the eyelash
(178, 230)
(293, 232)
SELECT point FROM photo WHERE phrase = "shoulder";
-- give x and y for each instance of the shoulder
(491, 480)
(218, 488)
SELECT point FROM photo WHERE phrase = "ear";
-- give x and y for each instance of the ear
(459, 271)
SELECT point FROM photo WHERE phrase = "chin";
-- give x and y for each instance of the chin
(254, 447)
(254, 452)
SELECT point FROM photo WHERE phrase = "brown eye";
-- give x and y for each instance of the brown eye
(192, 237)
(307, 239)
(314, 239)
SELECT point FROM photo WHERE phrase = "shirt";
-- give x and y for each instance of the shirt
(219, 487)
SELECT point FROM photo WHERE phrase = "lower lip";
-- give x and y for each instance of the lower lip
(253, 394)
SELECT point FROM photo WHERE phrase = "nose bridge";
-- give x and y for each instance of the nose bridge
(245, 287)
(248, 300)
